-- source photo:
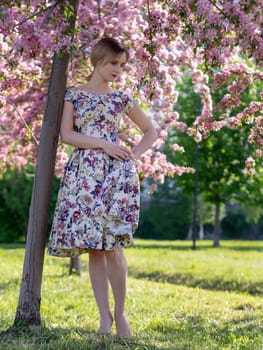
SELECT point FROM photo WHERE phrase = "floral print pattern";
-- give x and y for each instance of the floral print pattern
(98, 198)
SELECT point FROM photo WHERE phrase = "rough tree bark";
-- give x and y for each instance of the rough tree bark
(217, 225)
(28, 310)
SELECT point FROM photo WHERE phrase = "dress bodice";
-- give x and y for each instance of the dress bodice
(99, 115)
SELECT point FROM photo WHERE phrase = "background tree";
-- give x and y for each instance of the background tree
(222, 176)
(166, 213)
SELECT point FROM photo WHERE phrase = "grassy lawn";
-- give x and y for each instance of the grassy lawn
(177, 299)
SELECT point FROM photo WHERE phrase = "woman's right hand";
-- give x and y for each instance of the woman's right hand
(117, 151)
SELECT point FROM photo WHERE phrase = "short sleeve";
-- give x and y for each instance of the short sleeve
(129, 102)
(69, 95)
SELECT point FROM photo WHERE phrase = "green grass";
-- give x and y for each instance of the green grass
(177, 299)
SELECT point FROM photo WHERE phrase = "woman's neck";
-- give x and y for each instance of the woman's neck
(97, 84)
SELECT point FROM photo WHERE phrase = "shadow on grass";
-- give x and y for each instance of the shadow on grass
(171, 246)
(218, 283)
(58, 338)
(12, 245)
(244, 248)
(186, 331)
(195, 332)
(183, 245)
(200, 245)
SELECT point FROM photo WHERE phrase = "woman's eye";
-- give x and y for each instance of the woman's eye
(115, 63)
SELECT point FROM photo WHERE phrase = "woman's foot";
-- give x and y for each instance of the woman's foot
(105, 325)
(122, 326)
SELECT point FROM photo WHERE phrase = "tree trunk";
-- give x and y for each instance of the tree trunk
(201, 231)
(196, 192)
(29, 299)
(75, 265)
(28, 310)
(217, 225)
(190, 232)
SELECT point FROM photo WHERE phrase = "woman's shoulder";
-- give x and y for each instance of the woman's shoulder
(128, 100)
(69, 93)
(71, 88)
(126, 95)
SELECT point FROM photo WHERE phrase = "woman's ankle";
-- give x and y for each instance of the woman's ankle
(122, 326)
(106, 322)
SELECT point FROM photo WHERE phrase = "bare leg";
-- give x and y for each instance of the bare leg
(117, 273)
(100, 285)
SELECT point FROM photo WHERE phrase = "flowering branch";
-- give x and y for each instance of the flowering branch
(99, 10)
(24, 122)
(218, 8)
(49, 8)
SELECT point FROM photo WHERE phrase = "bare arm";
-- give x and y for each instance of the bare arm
(76, 139)
(148, 129)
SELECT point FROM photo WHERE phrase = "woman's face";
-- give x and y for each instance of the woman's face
(113, 69)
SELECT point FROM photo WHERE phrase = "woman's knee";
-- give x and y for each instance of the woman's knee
(116, 257)
(96, 255)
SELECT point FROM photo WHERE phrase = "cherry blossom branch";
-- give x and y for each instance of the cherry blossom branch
(24, 122)
(218, 8)
(99, 10)
(150, 28)
(39, 13)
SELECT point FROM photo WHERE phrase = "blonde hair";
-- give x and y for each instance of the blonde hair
(107, 49)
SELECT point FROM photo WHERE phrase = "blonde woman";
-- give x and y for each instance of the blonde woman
(97, 208)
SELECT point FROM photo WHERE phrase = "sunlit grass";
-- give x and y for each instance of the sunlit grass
(177, 299)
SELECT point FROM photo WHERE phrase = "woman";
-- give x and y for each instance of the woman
(98, 201)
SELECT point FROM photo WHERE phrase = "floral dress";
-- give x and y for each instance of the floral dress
(98, 198)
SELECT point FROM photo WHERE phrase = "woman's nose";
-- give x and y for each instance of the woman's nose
(117, 68)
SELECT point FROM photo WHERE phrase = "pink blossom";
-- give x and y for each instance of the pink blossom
(177, 148)
(250, 162)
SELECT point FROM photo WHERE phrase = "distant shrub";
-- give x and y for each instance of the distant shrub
(168, 215)
(15, 196)
(234, 224)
